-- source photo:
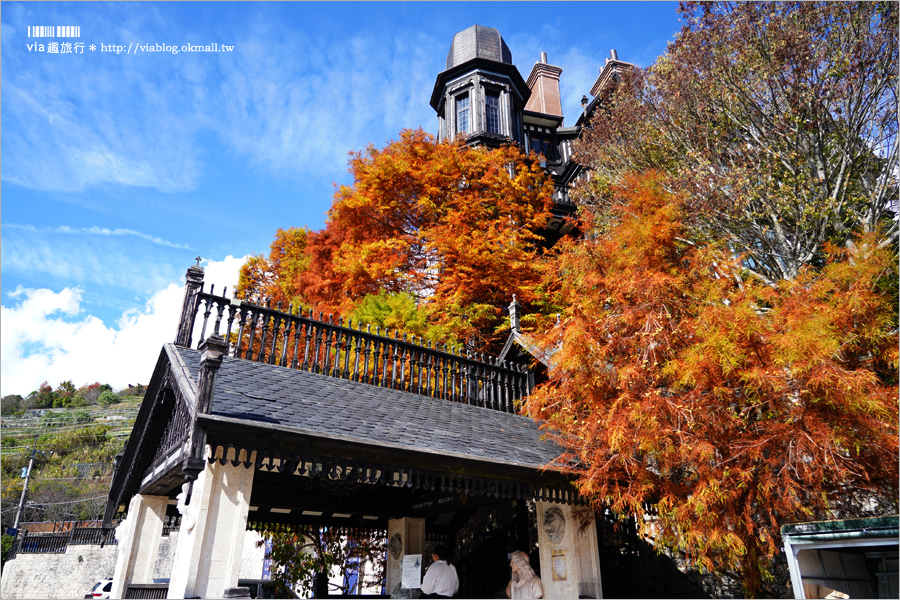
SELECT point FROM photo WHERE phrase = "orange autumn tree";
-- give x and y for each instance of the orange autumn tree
(453, 229)
(731, 406)
(272, 278)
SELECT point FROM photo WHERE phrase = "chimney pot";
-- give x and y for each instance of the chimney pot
(544, 57)
(614, 54)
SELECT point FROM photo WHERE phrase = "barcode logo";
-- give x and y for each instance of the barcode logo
(61, 31)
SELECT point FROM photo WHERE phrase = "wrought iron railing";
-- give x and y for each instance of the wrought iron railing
(58, 542)
(149, 591)
(171, 524)
(349, 351)
(43, 543)
(89, 535)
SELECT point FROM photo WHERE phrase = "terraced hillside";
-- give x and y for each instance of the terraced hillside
(73, 450)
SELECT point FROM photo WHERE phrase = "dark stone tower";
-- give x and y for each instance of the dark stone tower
(481, 94)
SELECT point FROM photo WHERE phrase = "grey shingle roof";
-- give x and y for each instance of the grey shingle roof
(314, 404)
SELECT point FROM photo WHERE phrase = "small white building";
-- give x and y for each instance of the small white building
(851, 558)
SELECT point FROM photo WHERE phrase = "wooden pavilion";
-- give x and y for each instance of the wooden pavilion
(291, 419)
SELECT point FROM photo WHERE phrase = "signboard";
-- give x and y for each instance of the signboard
(558, 559)
(412, 571)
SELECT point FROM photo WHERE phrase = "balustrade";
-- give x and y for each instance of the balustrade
(56, 543)
(348, 351)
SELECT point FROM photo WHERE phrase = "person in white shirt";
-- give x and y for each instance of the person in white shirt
(441, 580)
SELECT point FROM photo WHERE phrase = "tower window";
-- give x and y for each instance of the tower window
(462, 114)
(492, 112)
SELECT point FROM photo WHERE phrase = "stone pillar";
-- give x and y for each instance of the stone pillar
(212, 353)
(405, 536)
(192, 287)
(570, 557)
(139, 537)
(210, 544)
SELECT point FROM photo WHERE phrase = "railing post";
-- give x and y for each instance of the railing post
(212, 353)
(515, 314)
(189, 307)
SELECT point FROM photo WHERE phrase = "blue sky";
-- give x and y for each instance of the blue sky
(119, 168)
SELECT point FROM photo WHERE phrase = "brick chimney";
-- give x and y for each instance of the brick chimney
(610, 72)
(544, 85)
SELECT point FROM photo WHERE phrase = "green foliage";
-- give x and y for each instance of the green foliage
(77, 401)
(398, 311)
(42, 398)
(70, 475)
(107, 398)
(86, 444)
(297, 556)
(134, 390)
(66, 418)
(11, 404)
(7, 542)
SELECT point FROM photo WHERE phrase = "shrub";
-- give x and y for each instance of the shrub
(108, 398)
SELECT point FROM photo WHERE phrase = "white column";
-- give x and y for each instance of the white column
(405, 536)
(210, 542)
(139, 537)
(794, 568)
(570, 557)
(507, 124)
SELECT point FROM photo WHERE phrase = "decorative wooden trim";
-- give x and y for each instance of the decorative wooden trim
(142, 447)
(360, 472)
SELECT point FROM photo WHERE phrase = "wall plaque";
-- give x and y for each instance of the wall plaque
(558, 560)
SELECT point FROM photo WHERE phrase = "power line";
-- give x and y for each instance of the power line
(68, 502)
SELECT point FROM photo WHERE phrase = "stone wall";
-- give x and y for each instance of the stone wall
(253, 556)
(166, 555)
(68, 575)
(74, 573)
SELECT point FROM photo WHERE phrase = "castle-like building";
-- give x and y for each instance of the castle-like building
(481, 95)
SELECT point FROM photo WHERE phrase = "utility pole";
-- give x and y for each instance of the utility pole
(25, 487)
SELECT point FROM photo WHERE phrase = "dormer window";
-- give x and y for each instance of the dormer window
(492, 112)
(462, 114)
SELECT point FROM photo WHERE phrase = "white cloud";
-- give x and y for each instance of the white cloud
(40, 340)
(291, 102)
(57, 145)
(320, 101)
(90, 259)
(99, 231)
